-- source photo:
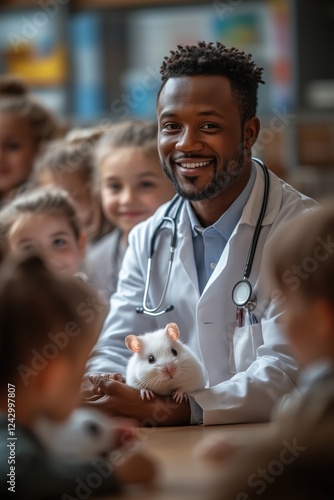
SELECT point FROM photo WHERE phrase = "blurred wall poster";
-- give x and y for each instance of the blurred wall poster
(85, 35)
(262, 29)
(32, 45)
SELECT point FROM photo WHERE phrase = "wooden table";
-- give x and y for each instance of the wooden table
(183, 476)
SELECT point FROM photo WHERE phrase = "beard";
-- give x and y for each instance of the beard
(219, 182)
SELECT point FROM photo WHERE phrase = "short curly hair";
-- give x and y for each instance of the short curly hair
(216, 59)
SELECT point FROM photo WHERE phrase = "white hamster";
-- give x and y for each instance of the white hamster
(163, 365)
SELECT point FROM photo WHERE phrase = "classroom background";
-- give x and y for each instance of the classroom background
(98, 60)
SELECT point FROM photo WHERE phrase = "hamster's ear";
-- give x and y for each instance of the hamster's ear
(133, 343)
(173, 331)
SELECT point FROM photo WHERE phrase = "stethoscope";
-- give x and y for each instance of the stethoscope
(242, 293)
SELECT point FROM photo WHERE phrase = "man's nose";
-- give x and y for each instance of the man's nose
(189, 141)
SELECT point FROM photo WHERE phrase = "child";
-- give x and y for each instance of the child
(303, 268)
(132, 187)
(44, 220)
(289, 467)
(302, 262)
(68, 163)
(25, 124)
(47, 329)
(295, 459)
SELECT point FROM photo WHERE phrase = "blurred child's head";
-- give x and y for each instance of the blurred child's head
(48, 325)
(131, 179)
(68, 163)
(289, 464)
(303, 268)
(25, 124)
(44, 220)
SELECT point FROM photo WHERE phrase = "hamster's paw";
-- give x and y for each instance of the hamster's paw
(179, 396)
(146, 394)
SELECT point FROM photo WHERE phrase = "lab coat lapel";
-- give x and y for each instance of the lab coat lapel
(242, 236)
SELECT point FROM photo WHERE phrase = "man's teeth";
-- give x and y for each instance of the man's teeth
(195, 165)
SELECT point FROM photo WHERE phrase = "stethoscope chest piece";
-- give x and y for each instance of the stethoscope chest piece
(242, 295)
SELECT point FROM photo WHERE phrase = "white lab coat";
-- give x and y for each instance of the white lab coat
(248, 367)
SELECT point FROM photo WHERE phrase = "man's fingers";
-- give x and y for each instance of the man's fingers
(94, 397)
(103, 384)
(118, 377)
(95, 378)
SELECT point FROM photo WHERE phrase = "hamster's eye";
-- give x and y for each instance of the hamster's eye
(151, 359)
(174, 351)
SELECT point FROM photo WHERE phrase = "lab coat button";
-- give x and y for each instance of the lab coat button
(213, 265)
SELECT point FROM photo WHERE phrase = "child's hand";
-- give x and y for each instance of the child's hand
(125, 429)
(136, 468)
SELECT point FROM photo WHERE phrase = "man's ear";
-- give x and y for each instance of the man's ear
(251, 132)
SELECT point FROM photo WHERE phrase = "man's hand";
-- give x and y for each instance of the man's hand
(91, 392)
(118, 399)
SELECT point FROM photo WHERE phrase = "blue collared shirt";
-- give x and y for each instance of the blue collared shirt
(210, 242)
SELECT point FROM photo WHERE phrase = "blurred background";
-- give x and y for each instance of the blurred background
(96, 60)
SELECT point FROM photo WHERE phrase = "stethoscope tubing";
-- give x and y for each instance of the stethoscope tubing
(154, 311)
(258, 227)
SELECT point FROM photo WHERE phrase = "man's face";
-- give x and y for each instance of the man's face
(200, 135)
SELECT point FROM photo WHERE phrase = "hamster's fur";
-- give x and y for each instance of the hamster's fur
(163, 365)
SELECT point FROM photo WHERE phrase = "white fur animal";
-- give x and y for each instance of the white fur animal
(85, 435)
(163, 365)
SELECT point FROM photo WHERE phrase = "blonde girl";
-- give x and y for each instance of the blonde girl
(68, 163)
(44, 220)
(132, 186)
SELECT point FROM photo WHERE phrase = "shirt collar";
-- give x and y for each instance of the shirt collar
(229, 219)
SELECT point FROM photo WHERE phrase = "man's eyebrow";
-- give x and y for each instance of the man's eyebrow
(212, 112)
(209, 112)
(167, 114)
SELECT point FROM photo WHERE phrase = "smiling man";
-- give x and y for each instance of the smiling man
(206, 111)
